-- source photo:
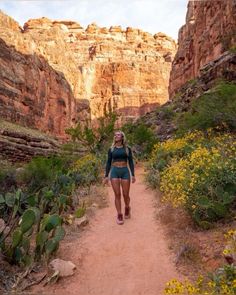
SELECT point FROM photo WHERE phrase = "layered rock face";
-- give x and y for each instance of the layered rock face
(105, 69)
(18, 143)
(124, 70)
(209, 32)
(32, 93)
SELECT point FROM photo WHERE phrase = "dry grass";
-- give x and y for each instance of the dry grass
(92, 199)
(5, 125)
(197, 251)
(95, 195)
(5, 164)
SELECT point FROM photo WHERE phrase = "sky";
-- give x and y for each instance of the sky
(152, 16)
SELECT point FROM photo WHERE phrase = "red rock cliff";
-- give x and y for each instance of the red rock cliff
(210, 31)
(32, 93)
(111, 69)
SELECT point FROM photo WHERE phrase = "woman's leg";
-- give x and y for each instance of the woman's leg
(115, 182)
(125, 184)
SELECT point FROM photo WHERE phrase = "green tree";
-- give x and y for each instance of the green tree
(141, 136)
(94, 138)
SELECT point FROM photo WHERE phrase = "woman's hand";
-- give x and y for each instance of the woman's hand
(105, 180)
(133, 179)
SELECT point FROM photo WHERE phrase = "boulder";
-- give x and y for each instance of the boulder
(81, 222)
(65, 268)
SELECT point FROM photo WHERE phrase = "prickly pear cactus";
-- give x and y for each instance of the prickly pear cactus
(50, 234)
(33, 223)
(27, 220)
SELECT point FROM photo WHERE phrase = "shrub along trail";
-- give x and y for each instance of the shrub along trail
(130, 259)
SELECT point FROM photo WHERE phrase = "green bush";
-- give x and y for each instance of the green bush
(140, 137)
(93, 138)
(80, 211)
(167, 112)
(153, 177)
(88, 169)
(8, 181)
(197, 173)
(215, 109)
(204, 183)
(32, 207)
(232, 49)
(41, 171)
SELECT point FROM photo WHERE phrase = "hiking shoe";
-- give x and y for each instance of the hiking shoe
(127, 212)
(120, 219)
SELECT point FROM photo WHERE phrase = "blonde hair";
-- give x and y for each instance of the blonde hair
(124, 142)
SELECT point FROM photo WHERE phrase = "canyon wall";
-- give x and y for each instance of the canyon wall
(208, 35)
(60, 73)
(124, 70)
(32, 93)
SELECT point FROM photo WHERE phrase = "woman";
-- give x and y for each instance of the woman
(118, 155)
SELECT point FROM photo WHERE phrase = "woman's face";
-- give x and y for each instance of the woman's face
(118, 136)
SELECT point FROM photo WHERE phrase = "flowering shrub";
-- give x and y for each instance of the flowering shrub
(198, 173)
(88, 169)
(222, 281)
(163, 152)
(230, 248)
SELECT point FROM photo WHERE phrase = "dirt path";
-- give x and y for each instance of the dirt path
(128, 259)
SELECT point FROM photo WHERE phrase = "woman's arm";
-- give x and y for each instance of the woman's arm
(108, 164)
(131, 162)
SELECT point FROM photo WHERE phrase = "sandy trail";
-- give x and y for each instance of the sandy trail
(111, 259)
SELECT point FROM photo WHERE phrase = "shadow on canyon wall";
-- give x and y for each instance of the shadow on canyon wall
(35, 95)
